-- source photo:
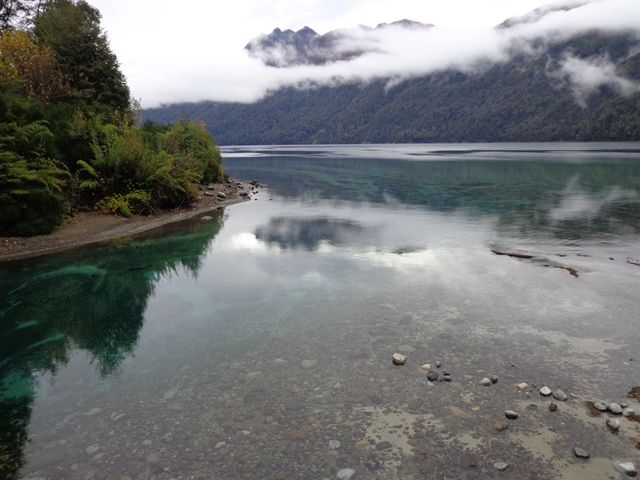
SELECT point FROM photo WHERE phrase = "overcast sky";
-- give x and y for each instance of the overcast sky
(193, 50)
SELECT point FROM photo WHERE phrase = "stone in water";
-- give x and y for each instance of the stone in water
(545, 391)
(399, 359)
(346, 474)
(511, 414)
(486, 382)
(580, 453)
(627, 468)
(560, 395)
(500, 466)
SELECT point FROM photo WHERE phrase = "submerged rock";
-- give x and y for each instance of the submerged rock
(613, 424)
(432, 376)
(600, 406)
(438, 363)
(560, 395)
(627, 468)
(511, 414)
(398, 359)
(308, 364)
(486, 382)
(522, 386)
(500, 426)
(615, 408)
(628, 412)
(553, 407)
(427, 366)
(334, 444)
(346, 474)
(500, 466)
(494, 378)
(580, 453)
(222, 195)
(545, 391)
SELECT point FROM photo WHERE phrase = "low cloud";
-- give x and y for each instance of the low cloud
(397, 53)
(587, 76)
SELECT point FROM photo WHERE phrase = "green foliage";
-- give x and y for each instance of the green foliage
(31, 182)
(67, 137)
(72, 31)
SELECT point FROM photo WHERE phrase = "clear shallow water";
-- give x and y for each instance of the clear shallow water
(137, 358)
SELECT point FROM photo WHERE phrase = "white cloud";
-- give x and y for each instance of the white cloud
(196, 52)
(586, 76)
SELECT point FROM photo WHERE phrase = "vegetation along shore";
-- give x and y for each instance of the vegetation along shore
(71, 149)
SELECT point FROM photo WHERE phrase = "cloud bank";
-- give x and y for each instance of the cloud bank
(397, 53)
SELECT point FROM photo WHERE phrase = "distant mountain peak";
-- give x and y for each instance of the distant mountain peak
(287, 48)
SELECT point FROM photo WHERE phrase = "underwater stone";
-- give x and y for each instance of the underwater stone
(511, 414)
(500, 466)
(432, 376)
(613, 424)
(486, 382)
(545, 391)
(627, 468)
(308, 364)
(628, 412)
(580, 453)
(493, 378)
(615, 408)
(600, 406)
(398, 359)
(553, 407)
(438, 363)
(560, 395)
(346, 474)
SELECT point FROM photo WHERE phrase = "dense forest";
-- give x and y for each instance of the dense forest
(69, 138)
(518, 100)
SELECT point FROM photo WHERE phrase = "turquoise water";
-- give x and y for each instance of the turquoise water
(246, 345)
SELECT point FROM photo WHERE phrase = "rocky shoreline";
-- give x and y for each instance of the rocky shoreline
(87, 228)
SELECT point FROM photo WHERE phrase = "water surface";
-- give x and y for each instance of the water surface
(246, 344)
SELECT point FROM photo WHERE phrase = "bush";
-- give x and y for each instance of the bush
(115, 204)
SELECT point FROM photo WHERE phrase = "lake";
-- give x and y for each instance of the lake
(256, 343)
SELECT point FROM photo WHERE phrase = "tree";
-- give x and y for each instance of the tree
(72, 31)
(28, 68)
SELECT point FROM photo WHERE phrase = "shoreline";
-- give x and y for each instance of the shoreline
(89, 228)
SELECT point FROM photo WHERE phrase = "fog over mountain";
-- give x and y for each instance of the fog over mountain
(585, 53)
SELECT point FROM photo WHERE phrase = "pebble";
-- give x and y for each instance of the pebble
(580, 453)
(308, 364)
(494, 378)
(560, 395)
(207, 218)
(432, 376)
(613, 424)
(615, 408)
(545, 391)
(522, 386)
(500, 426)
(398, 359)
(346, 474)
(447, 377)
(92, 449)
(486, 382)
(384, 445)
(93, 411)
(220, 445)
(427, 366)
(438, 363)
(500, 466)
(334, 444)
(222, 195)
(600, 406)
(511, 415)
(553, 407)
(628, 412)
(627, 468)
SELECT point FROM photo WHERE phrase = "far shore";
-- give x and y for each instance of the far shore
(87, 228)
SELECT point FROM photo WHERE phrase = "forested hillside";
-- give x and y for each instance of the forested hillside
(523, 99)
(68, 134)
